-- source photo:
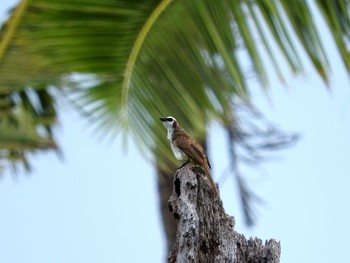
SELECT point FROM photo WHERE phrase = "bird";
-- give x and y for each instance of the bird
(185, 148)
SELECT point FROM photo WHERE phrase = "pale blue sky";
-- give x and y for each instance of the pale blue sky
(100, 204)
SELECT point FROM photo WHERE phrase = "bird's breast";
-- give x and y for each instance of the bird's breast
(180, 155)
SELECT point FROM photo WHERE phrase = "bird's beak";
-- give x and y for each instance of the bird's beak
(163, 119)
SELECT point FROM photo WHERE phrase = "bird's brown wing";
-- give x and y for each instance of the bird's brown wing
(196, 153)
(192, 149)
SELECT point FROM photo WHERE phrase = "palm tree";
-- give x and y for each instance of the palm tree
(123, 64)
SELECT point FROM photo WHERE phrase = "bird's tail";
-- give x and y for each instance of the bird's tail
(211, 181)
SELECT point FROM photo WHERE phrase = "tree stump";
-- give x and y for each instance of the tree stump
(205, 232)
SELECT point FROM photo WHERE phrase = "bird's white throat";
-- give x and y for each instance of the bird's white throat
(170, 131)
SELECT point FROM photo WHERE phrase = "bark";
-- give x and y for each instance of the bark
(205, 232)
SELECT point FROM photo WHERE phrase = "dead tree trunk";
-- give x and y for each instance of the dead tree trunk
(205, 232)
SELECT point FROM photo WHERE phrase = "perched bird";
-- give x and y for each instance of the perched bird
(185, 148)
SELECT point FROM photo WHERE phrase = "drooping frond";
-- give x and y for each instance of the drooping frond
(26, 120)
(337, 16)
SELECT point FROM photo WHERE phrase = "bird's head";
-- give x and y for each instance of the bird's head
(169, 122)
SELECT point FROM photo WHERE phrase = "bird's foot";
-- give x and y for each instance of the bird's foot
(198, 170)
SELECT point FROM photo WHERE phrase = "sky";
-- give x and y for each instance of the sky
(99, 204)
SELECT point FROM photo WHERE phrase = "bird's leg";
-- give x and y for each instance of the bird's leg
(198, 170)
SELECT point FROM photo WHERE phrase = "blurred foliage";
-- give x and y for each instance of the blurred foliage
(125, 63)
(26, 119)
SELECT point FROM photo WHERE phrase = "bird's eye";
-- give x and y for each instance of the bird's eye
(169, 119)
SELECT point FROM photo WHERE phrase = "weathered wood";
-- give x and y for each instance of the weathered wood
(205, 232)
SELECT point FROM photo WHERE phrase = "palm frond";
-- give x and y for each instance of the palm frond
(337, 16)
(124, 64)
(26, 126)
(149, 51)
